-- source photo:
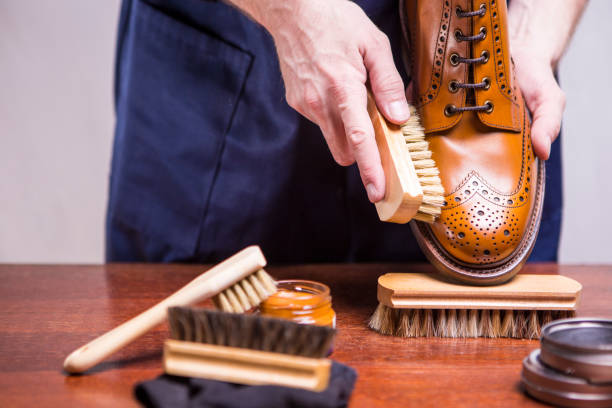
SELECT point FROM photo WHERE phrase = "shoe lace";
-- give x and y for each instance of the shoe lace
(456, 59)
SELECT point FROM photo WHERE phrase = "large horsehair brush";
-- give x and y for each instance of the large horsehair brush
(413, 186)
(247, 349)
(422, 305)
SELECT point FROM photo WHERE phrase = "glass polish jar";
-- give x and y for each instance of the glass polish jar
(302, 301)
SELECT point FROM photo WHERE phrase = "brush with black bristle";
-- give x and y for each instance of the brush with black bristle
(413, 189)
(420, 305)
(237, 284)
(247, 349)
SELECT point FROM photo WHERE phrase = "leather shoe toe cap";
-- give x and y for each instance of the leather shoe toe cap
(480, 226)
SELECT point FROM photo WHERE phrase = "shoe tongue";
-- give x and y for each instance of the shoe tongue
(503, 92)
(431, 33)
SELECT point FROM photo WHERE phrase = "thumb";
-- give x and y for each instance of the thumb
(547, 110)
(387, 85)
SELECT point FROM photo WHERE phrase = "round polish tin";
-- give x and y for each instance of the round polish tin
(581, 347)
(553, 387)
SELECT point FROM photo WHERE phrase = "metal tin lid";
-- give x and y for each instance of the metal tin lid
(556, 388)
(581, 347)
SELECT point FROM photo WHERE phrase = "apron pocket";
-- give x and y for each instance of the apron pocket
(177, 92)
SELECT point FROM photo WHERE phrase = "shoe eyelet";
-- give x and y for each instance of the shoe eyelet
(485, 55)
(454, 59)
(458, 35)
(458, 11)
(483, 30)
(483, 6)
(487, 83)
(490, 106)
(449, 110)
(452, 86)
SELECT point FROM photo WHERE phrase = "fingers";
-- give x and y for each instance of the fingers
(329, 88)
(333, 132)
(540, 138)
(352, 102)
(386, 82)
(312, 103)
(547, 106)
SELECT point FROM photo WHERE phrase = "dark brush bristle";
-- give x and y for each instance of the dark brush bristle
(249, 331)
(521, 324)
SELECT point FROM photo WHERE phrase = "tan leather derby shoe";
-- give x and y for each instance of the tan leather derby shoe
(479, 132)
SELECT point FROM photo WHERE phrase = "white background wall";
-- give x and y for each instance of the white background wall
(56, 126)
(586, 77)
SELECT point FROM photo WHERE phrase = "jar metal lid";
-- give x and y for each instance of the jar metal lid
(549, 385)
(581, 347)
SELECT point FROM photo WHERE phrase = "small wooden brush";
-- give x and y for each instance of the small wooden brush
(239, 283)
(247, 349)
(420, 305)
(413, 186)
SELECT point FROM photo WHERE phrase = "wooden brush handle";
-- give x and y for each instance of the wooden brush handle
(245, 366)
(523, 292)
(216, 279)
(403, 192)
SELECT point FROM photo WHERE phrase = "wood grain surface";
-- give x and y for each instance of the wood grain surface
(48, 311)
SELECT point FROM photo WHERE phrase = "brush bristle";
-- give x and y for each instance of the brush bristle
(246, 294)
(249, 331)
(426, 170)
(523, 324)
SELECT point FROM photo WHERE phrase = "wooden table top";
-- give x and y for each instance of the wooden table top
(48, 311)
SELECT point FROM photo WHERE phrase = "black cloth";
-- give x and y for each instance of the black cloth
(168, 391)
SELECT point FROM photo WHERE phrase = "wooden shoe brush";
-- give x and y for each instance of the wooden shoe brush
(247, 349)
(413, 186)
(420, 305)
(237, 284)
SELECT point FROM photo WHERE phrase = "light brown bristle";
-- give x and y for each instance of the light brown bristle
(414, 330)
(247, 293)
(382, 321)
(249, 331)
(426, 170)
(460, 323)
(428, 327)
(507, 327)
(420, 155)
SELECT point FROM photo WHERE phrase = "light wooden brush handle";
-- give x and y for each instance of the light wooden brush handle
(403, 192)
(210, 283)
(523, 292)
(245, 366)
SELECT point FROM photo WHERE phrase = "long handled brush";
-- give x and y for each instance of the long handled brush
(413, 187)
(247, 349)
(238, 284)
(420, 305)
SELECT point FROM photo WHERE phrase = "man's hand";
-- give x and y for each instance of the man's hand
(539, 33)
(544, 98)
(328, 49)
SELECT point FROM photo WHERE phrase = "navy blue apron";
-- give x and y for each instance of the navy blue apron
(209, 158)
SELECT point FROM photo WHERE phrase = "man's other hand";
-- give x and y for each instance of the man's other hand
(544, 98)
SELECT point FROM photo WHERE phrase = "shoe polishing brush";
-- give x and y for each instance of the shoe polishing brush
(413, 186)
(422, 305)
(247, 349)
(237, 284)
